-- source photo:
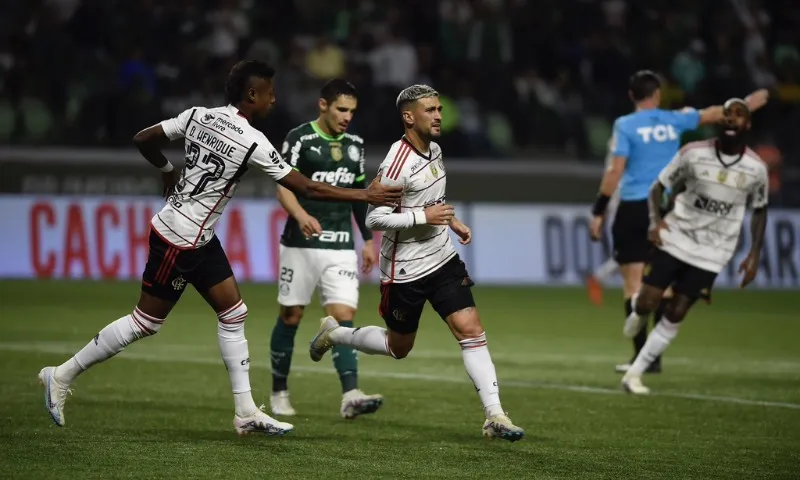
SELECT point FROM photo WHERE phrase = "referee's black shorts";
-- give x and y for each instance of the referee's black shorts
(629, 232)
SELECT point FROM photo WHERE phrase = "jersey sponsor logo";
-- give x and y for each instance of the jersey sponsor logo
(330, 236)
(208, 118)
(717, 207)
(316, 149)
(275, 158)
(348, 273)
(354, 153)
(416, 166)
(338, 177)
(221, 124)
(657, 133)
(435, 201)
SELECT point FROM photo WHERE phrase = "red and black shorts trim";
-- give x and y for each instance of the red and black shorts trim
(448, 289)
(169, 269)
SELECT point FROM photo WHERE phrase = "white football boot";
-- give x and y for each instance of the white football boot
(321, 342)
(355, 403)
(280, 405)
(55, 394)
(260, 422)
(500, 426)
(633, 384)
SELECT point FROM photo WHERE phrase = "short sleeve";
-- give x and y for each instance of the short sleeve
(362, 172)
(175, 128)
(391, 171)
(290, 150)
(686, 119)
(760, 193)
(267, 159)
(620, 144)
(675, 172)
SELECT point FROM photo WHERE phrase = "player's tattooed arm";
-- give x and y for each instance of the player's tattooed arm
(654, 204)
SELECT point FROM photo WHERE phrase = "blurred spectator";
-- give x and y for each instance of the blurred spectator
(325, 60)
(517, 77)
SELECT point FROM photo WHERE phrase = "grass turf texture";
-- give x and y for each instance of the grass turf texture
(727, 406)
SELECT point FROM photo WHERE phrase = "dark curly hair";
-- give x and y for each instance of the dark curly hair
(238, 79)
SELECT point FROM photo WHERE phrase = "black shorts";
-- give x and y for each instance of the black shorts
(664, 270)
(629, 232)
(170, 269)
(448, 289)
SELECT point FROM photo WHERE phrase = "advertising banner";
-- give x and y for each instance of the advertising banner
(106, 238)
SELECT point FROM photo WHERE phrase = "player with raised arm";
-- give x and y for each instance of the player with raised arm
(220, 146)
(698, 238)
(419, 263)
(643, 144)
(317, 248)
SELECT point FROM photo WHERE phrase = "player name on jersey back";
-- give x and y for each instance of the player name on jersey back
(410, 254)
(704, 227)
(220, 145)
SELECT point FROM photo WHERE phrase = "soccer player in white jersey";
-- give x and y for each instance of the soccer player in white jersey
(419, 263)
(698, 238)
(220, 146)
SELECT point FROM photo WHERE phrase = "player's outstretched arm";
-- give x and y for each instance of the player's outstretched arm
(715, 114)
(375, 194)
(309, 225)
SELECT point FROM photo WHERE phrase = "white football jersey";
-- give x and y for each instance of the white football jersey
(704, 227)
(411, 249)
(220, 146)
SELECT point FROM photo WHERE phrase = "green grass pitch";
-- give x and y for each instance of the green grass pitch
(726, 406)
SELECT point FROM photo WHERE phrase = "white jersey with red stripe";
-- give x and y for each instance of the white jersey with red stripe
(220, 146)
(704, 227)
(411, 249)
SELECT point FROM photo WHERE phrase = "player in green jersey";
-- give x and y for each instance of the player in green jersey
(317, 248)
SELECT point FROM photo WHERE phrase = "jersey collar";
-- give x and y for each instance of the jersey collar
(236, 113)
(423, 155)
(324, 135)
(719, 155)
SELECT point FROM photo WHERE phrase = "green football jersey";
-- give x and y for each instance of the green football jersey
(338, 161)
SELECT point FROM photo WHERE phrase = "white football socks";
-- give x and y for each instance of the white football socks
(111, 340)
(608, 268)
(480, 369)
(371, 340)
(236, 355)
(658, 341)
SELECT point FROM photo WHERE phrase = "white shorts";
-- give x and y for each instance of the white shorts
(303, 269)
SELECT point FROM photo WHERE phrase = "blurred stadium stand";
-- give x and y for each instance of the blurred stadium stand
(520, 79)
